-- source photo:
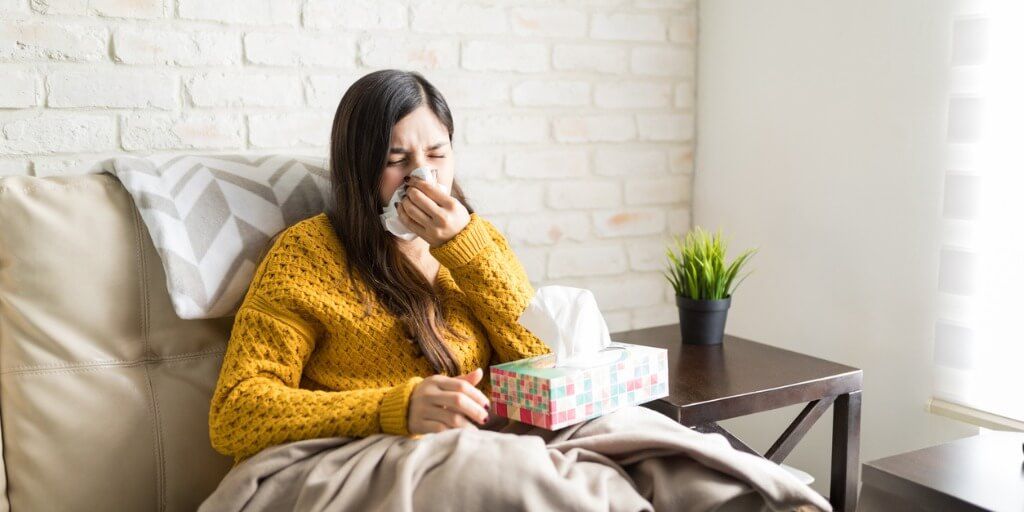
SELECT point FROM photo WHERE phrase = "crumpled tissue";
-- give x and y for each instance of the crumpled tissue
(389, 216)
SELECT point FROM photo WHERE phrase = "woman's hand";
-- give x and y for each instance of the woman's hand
(430, 213)
(441, 402)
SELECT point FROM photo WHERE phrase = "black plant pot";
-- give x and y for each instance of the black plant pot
(702, 321)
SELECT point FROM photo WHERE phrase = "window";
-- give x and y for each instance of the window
(979, 332)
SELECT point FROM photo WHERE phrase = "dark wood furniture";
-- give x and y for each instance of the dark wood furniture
(984, 472)
(739, 377)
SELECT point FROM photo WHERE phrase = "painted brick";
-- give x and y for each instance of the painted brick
(25, 40)
(355, 14)
(176, 48)
(142, 131)
(220, 89)
(502, 56)
(112, 87)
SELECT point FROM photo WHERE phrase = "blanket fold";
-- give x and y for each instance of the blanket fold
(633, 459)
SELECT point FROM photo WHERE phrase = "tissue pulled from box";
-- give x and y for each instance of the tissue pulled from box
(389, 216)
(569, 322)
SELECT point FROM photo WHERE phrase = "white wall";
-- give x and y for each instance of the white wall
(574, 122)
(820, 140)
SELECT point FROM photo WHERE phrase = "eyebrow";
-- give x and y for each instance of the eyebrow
(402, 151)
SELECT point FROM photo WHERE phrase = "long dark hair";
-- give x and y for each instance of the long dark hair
(360, 139)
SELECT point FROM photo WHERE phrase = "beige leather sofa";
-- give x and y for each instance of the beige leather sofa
(104, 391)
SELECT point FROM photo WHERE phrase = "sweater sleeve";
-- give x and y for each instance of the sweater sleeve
(495, 285)
(257, 401)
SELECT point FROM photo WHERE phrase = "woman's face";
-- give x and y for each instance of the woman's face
(418, 139)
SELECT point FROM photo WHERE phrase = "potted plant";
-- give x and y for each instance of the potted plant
(703, 284)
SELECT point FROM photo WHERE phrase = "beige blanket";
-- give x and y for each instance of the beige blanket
(633, 459)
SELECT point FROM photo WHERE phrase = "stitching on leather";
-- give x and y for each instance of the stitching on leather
(158, 442)
(95, 367)
(185, 360)
(144, 301)
(54, 186)
(6, 498)
(155, 417)
(109, 362)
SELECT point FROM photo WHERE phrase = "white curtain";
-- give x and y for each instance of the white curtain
(979, 333)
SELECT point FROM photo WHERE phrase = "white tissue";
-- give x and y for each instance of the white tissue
(568, 321)
(389, 217)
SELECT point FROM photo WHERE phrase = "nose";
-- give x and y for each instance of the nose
(417, 160)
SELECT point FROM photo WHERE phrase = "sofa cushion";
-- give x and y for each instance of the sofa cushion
(211, 215)
(104, 390)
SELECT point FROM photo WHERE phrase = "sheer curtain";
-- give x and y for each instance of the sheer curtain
(979, 332)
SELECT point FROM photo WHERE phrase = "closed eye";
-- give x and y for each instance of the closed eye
(403, 160)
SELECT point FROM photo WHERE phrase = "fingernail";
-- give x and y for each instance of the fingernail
(487, 406)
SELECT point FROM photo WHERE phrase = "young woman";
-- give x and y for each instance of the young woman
(348, 331)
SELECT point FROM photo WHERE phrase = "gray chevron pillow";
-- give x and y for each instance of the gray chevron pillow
(212, 216)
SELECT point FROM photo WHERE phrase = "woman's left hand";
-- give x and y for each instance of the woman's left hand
(430, 213)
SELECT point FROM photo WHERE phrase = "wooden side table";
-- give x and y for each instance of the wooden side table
(739, 377)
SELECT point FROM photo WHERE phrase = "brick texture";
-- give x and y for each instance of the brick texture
(574, 122)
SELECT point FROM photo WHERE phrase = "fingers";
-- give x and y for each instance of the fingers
(431, 190)
(461, 386)
(474, 377)
(411, 216)
(459, 404)
(451, 419)
(432, 426)
(434, 409)
(424, 202)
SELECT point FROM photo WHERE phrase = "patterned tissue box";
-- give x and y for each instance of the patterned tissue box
(534, 391)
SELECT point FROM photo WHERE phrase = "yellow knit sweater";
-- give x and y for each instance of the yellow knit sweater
(303, 362)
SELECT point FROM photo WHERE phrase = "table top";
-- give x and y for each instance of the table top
(984, 471)
(716, 382)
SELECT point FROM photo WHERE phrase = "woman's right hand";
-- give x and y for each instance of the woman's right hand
(440, 402)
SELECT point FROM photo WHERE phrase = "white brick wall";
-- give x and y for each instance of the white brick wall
(574, 122)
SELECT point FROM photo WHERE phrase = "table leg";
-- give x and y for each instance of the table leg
(845, 452)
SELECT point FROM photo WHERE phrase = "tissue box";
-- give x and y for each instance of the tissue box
(534, 391)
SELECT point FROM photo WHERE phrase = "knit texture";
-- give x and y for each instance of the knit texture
(307, 359)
